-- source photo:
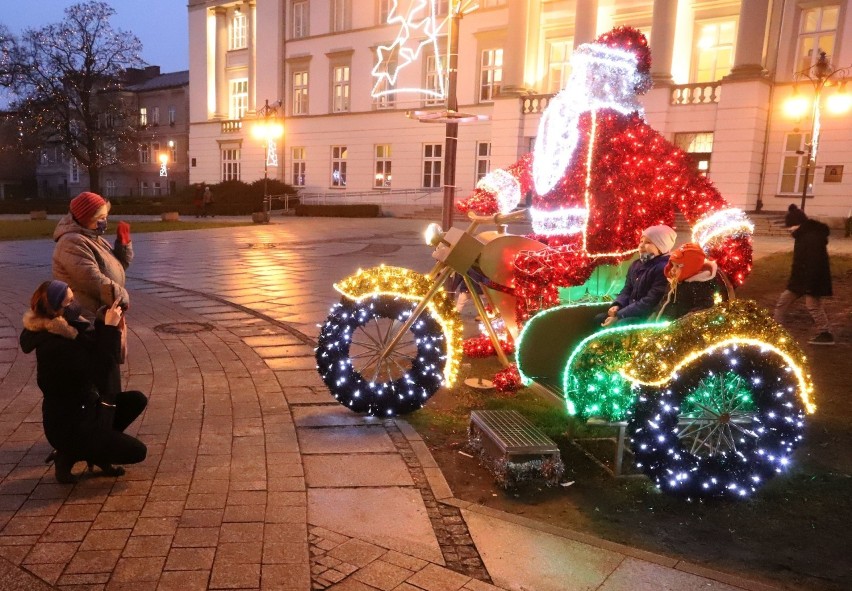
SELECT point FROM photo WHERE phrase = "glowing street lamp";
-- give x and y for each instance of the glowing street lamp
(268, 128)
(820, 75)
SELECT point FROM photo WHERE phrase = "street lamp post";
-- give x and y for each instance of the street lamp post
(821, 75)
(268, 129)
(451, 116)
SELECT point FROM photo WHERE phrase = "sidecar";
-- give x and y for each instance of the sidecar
(715, 401)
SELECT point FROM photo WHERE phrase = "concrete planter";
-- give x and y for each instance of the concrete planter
(170, 216)
(38, 215)
(260, 217)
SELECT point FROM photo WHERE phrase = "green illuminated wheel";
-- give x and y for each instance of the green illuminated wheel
(717, 414)
(722, 426)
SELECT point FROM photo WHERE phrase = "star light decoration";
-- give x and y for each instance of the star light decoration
(422, 18)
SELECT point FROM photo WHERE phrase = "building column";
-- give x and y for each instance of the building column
(249, 8)
(517, 49)
(221, 62)
(663, 25)
(748, 56)
(585, 22)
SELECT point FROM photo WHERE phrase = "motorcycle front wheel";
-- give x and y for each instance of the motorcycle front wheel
(350, 361)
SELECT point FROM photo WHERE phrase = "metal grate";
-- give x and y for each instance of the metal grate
(512, 432)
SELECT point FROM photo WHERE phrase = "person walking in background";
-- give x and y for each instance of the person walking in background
(207, 202)
(84, 411)
(84, 260)
(810, 275)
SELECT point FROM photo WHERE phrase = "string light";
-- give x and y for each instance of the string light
(600, 175)
(406, 284)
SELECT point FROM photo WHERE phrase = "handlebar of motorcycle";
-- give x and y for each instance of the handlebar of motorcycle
(499, 218)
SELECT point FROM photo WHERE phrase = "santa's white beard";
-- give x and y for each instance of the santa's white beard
(594, 84)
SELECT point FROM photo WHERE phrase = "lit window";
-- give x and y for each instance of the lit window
(388, 99)
(432, 160)
(817, 32)
(793, 164)
(143, 116)
(230, 164)
(238, 31)
(490, 74)
(382, 178)
(559, 63)
(442, 7)
(300, 93)
(341, 15)
(340, 89)
(338, 166)
(300, 20)
(483, 159)
(699, 146)
(239, 98)
(298, 167)
(433, 75)
(173, 151)
(714, 50)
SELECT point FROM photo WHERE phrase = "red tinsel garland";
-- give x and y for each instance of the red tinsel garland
(481, 346)
(508, 380)
(638, 180)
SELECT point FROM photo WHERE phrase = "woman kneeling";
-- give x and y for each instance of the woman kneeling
(84, 411)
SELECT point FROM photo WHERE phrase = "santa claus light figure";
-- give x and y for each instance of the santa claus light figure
(599, 175)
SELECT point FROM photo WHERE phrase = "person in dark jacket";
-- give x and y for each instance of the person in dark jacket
(694, 282)
(84, 411)
(811, 273)
(646, 283)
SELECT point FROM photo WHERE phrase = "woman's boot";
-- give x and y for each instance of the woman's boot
(62, 465)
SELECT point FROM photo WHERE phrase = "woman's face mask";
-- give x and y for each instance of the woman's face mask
(101, 228)
(72, 311)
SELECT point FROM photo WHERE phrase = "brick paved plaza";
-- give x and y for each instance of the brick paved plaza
(256, 478)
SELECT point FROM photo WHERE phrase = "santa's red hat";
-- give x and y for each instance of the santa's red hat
(632, 41)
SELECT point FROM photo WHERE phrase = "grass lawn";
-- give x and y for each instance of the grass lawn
(36, 229)
(782, 536)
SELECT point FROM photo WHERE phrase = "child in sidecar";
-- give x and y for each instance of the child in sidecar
(715, 398)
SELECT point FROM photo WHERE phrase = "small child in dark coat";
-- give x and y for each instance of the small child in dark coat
(811, 273)
(646, 283)
(693, 282)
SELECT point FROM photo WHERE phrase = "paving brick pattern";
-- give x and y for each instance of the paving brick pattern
(457, 546)
(221, 339)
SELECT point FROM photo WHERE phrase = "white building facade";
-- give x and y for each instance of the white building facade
(722, 70)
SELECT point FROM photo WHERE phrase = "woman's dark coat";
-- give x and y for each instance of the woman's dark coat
(77, 367)
(811, 274)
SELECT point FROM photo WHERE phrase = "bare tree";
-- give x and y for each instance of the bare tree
(66, 79)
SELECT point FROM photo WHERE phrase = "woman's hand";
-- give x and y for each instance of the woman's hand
(113, 315)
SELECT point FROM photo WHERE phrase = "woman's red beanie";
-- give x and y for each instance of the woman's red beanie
(85, 205)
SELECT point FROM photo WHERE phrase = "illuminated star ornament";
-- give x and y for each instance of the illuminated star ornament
(418, 31)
